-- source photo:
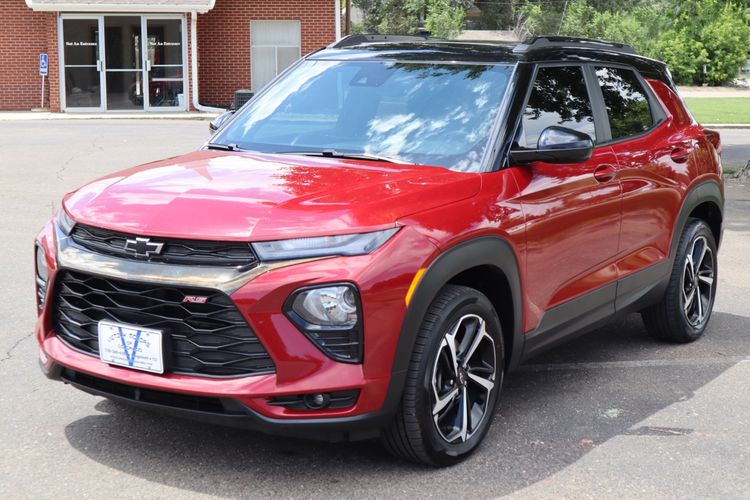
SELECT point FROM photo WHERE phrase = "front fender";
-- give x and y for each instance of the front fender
(482, 251)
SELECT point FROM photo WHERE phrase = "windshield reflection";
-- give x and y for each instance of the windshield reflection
(429, 114)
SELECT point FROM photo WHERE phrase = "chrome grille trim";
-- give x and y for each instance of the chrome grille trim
(223, 278)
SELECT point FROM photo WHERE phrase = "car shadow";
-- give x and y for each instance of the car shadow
(553, 411)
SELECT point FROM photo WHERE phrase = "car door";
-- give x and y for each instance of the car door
(650, 158)
(572, 211)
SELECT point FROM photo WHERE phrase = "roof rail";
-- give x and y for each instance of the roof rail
(546, 42)
(352, 40)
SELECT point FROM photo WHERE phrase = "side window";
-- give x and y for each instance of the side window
(626, 101)
(559, 97)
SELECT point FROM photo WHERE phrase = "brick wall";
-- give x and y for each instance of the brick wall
(223, 47)
(224, 40)
(24, 35)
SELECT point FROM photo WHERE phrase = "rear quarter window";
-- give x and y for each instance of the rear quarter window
(626, 101)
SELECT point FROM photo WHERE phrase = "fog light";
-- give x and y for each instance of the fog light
(331, 317)
(328, 306)
(317, 401)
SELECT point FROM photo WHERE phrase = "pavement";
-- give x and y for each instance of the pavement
(735, 147)
(610, 414)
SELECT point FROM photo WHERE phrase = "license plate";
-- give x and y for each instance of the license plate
(131, 346)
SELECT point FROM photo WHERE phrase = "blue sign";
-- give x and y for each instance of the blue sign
(43, 64)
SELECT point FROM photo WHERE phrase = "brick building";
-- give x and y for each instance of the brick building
(145, 55)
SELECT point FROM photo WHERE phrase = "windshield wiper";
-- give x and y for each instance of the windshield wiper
(332, 153)
(224, 147)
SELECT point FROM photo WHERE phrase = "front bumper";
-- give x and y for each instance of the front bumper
(301, 368)
(223, 411)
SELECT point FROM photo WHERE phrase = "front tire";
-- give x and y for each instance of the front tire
(683, 313)
(453, 382)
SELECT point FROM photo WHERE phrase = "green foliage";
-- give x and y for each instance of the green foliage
(726, 40)
(540, 17)
(686, 34)
(444, 20)
(710, 33)
(638, 25)
(391, 16)
(684, 55)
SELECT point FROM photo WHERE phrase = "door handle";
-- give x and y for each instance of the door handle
(148, 65)
(99, 65)
(680, 154)
(604, 173)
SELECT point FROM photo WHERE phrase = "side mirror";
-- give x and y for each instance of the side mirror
(220, 120)
(557, 145)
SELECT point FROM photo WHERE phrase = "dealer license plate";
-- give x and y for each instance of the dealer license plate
(131, 346)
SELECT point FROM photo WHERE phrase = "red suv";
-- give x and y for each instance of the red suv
(378, 236)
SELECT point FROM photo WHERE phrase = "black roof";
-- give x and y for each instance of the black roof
(540, 49)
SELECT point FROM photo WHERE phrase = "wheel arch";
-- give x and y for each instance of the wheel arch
(706, 202)
(480, 263)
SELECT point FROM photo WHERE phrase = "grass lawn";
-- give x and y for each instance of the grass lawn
(719, 109)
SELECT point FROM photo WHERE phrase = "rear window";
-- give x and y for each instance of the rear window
(625, 98)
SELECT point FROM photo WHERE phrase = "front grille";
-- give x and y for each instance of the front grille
(174, 251)
(210, 339)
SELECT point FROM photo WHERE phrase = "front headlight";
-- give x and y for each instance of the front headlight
(64, 222)
(42, 271)
(324, 246)
(42, 276)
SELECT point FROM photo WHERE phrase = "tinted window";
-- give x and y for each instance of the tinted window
(559, 97)
(627, 105)
(430, 114)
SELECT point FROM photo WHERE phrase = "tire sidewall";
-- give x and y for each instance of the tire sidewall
(439, 450)
(693, 231)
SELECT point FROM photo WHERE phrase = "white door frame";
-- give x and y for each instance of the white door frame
(147, 65)
(102, 62)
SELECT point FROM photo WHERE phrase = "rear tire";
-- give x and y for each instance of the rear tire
(453, 381)
(684, 311)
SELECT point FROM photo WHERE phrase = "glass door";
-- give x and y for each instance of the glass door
(123, 44)
(165, 68)
(82, 63)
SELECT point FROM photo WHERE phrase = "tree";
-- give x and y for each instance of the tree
(710, 34)
(443, 19)
(689, 35)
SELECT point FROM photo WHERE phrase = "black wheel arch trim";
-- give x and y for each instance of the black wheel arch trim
(706, 191)
(481, 251)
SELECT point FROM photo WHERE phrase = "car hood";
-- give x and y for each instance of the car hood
(241, 196)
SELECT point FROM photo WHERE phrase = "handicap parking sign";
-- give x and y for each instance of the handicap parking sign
(43, 64)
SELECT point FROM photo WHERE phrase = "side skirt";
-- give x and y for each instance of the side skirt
(589, 311)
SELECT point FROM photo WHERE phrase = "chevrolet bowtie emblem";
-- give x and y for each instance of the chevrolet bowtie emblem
(143, 247)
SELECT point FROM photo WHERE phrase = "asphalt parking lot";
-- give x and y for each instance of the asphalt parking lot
(612, 413)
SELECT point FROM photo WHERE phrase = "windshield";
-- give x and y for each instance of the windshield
(428, 114)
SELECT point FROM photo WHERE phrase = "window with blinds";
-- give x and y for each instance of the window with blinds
(275, 46)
